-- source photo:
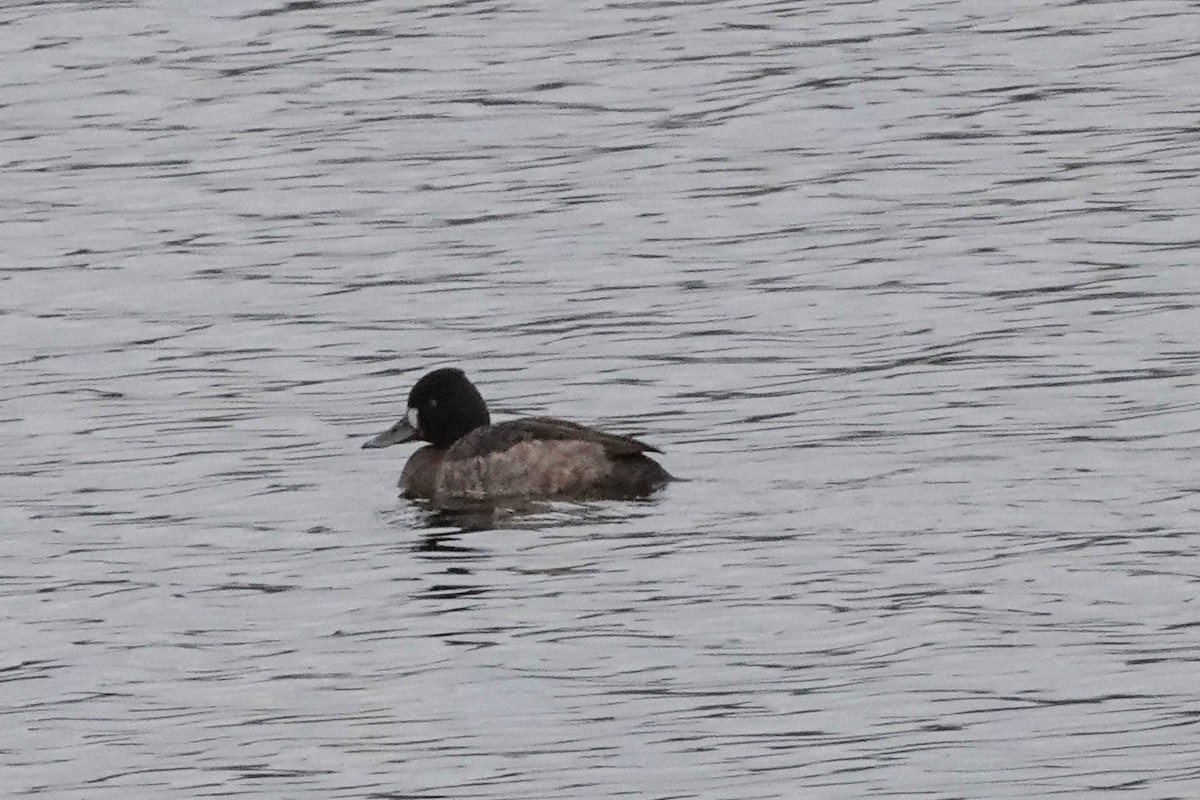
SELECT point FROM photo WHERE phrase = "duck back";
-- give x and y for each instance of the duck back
(549, 458)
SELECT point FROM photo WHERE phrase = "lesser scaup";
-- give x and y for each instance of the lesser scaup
(468, 458)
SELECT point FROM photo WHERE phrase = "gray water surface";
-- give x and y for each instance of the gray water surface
(907, 293)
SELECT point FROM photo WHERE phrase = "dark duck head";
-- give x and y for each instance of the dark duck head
(443, 407)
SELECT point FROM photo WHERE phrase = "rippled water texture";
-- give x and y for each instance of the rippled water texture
(907, 292)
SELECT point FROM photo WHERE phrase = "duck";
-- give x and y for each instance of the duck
(467, 458)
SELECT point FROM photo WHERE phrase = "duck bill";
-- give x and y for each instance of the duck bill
(402, 431)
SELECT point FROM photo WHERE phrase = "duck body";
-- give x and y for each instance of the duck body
(469, 459)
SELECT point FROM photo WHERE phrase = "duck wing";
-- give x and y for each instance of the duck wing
(501, 437)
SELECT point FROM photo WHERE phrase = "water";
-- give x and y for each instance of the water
(906, 293)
